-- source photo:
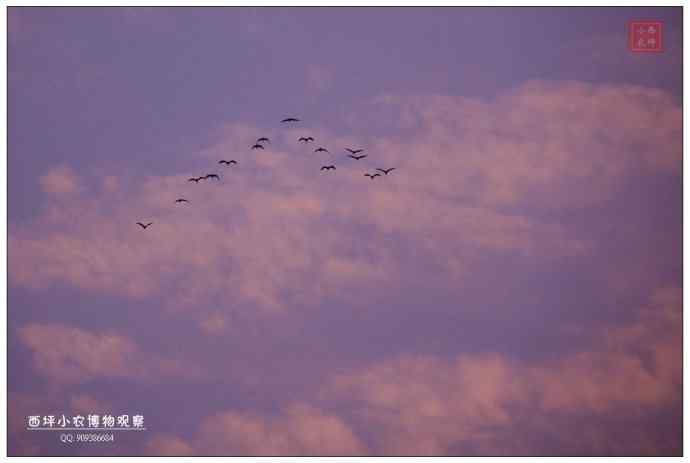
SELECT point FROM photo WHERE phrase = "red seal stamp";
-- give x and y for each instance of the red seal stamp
(646, 36)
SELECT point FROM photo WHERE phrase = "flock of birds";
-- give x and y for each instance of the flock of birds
(260, 145)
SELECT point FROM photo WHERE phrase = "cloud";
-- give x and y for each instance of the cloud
(69, 355)
(423, 405)
(87, 404)
(61, 180)
(274, 235)
(213, 325)
(616, 397)
(166, 445)
(298, 430)
(539, 143)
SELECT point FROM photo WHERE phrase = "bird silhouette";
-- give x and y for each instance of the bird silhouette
(262, 139)
(306, 139)
(353, 151)
(231, 161)
(195, 179)
(321, 149)
(290, 119)
(212, 176)
(144, 226)
(331, 167)
(372, 176)
(257, 146)
(356, 158)
(385, 171)
(181, 200)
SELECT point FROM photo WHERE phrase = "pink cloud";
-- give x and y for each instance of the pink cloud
(425, 405)
(428, 405)
(61, 180)
(213, 325)
(274, 234)
(298, 430)
(68, 355)
(166, 445)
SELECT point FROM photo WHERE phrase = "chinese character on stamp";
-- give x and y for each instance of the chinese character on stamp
(645, 36)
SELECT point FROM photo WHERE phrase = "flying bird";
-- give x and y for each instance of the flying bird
(321, 149)
(212, 176)
(262, 139)
(331, 167)
(306, 139)
(353, 151)
(372, 176)
(290, 119)
(257, 146)
(231, 161)
(181, 200)
(195, 179)
(357, 158)
(385, 171)
(144, 226)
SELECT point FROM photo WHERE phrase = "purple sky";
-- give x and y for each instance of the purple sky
(512, 288)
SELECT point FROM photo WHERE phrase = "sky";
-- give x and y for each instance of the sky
(513, 287)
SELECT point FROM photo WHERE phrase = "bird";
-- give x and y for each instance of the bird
(257, 146)
(372, 176)
(331, 167)
(195, 179)
(306, 139)
(212, 176)
(231, 161)
(321, 149)
(262, 139)
(144, 226)
(356, 158)
(290, 119)
(385, 171)
(353, 151)
(181, 200)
